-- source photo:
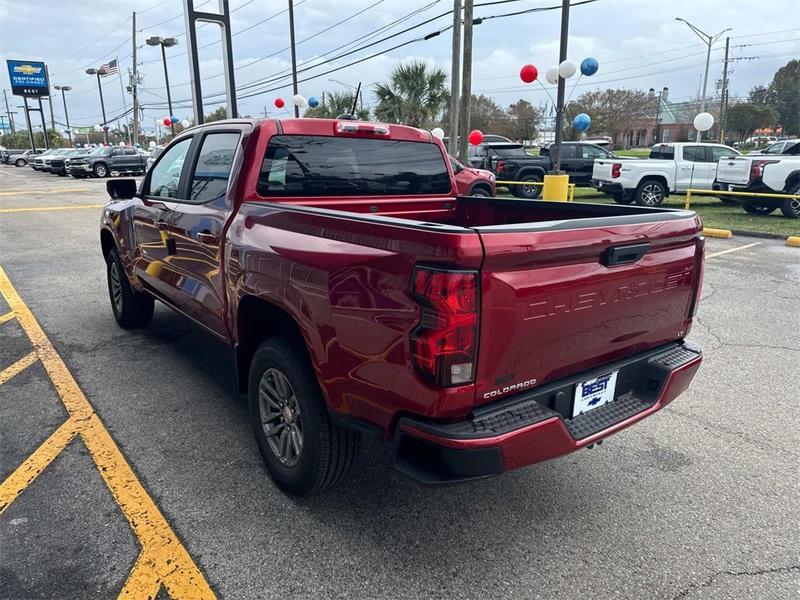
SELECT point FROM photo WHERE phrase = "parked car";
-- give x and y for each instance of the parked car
(511, 162)
(775, 148)
(774, 174)
(671, 168)
(473, 182)
(45, 160)
(58, 164)
(6, 154)
(22, 159)
(151, 158)
(38, 161)
(105, 160)
(362, 295)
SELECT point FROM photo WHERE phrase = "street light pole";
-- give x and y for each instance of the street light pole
(294, 56)
(165, 43)
(98, 73)
(708, 40)
(64, 89)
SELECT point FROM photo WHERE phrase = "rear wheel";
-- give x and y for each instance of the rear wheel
(529, 192)
(304, 451)
(754, 208)
(131, 309)
(791, 207)
(651, 192)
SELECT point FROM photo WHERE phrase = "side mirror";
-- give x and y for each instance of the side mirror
(458, 167)
(121, 189)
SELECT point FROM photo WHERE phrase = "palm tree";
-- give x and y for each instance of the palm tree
(415, 95)
(335, 104)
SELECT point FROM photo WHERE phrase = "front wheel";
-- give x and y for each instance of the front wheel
(651, 192)
(754, 208)
(304, 451)
(131, 309)
(791, 207)
(100, 170)
(20, 162)
(480, 191)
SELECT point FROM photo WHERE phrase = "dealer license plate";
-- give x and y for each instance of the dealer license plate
(594, 393)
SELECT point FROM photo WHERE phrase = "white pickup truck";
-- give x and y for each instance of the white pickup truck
(775, 174)
(670, 168)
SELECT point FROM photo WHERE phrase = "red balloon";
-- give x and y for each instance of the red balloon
(279, 103)
(528, 73)
(475, 137)
(167, 122)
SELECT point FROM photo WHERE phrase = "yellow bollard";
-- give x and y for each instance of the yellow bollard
(725, 234)
(793, 241)
(688, 200)
(556, 187)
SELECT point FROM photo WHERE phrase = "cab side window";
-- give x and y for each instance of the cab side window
(592, 152)
(694, 153)
(213, 167)
(718, 152)
(166, 173)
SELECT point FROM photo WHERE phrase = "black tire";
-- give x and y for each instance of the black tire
(529, 192)
(791, 207)
(754, 208)
(623, 198)
(651, 192)
(62, 174)
(325, 452)
(480, 191)
(100, 170)
(20, 162)
(131, 309)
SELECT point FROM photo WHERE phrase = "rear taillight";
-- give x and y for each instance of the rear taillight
(699, 271)
(500, 165)
(444, 345)
(757, 168)
(615, 167)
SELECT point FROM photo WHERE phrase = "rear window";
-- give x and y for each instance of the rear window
(508, 152)
(666, 152)
(304, 165)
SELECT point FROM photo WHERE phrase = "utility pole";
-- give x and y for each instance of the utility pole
(50, 100)
(455, 79)
(135, 85)
(723, 102)
(294, 57)
(466, 84)
(9, 113)
(555, 151)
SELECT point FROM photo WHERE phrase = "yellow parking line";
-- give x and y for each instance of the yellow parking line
(46, 208)
(53, 191)
(729, 250)
(6, 317)
(163, 559)
(17, 368)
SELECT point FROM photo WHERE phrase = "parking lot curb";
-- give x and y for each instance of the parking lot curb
(793, 241)
(717, 233)
(759, 234)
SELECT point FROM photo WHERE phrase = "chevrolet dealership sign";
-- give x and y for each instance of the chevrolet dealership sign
(28, 78)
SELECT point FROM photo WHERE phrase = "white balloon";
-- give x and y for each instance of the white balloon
(567, 69)
(98, 128)
(299, 101)
(152, 144)
(186, 123)
(704, 121)
(551, 75)
(122, 144)
(438, 132)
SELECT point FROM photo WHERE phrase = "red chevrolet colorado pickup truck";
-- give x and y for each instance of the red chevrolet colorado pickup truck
(361, 295)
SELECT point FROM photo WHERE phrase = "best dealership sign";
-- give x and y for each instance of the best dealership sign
(28, 78)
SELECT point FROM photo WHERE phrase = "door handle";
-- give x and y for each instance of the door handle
(161, 225)
(206, 238)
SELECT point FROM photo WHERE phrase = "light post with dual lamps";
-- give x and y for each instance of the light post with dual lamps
(99, 73)
(165, 43)
(64, 89)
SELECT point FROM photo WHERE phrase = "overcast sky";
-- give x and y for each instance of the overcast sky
(637, 43)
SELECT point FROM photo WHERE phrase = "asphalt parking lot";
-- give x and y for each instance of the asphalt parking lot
(128, 467)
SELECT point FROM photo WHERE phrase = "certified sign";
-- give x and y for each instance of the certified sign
(28, 78)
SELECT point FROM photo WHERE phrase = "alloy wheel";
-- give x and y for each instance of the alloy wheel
(652, 194)
(115, 284)
(280, 417)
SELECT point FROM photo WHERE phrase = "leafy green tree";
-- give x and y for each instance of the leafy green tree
(416, 95)
(486, 115)
(615, 112)
(216, 115)
(744, 118)
(337, 103)
(524, 119)
(783, 93)
(21, 140)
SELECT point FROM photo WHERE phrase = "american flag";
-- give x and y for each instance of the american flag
(110, 68)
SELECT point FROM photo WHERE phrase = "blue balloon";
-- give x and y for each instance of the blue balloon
(313, 102)
(581, 122)
(589, 66)
(173, 118)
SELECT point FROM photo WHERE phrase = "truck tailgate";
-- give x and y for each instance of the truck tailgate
(560, 301)
(601, 169)
(734, 170)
